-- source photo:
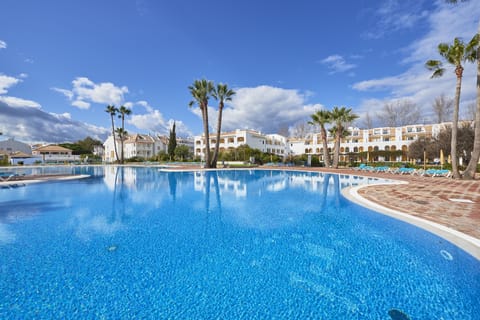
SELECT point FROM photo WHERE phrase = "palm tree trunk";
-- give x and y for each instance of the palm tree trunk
(121, 144)
(207, 135)
(114, 140)
(217, 142)
(455, 171)
(472, 165)
(326, 154)
(122, 137)
(337, 150)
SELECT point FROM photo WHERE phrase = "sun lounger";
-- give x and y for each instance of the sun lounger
(436, 173)
(5, 176)
(406, 171)
(8, 176)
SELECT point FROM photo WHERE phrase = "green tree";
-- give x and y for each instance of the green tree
(455, 54)
(124, 111)
(465, 141)
(112, 111)
(182, 152)
(88, 144)
(172, 143)
(340, 116)
(75, 147)
(201, 90)
(322, 118)
(162, 156)
(221, 93)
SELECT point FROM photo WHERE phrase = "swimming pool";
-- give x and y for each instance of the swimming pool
(145, 243)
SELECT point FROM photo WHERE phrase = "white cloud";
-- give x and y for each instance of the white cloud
(35, 125)
(145, 105)
(337, 63)
(81, 104)
(7, 82)
(415, 82)
(19, 102)
(84, 92)
(395, 15)
(262, 108)
(105, 93)
(153, 121)
(3, 44)
(65, 92)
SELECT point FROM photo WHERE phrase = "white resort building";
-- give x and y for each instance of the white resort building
(359, 145)
(268, 143)
(135, 145)
(55, 154)
(142, 146)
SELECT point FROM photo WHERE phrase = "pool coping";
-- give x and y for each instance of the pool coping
(460, 239)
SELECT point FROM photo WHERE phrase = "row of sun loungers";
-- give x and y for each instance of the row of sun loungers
(406, 171)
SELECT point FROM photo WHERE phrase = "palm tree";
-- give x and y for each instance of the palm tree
(321, 118)
(340, 117)
(201, 90)
(472, 165)
(112, 110)
(122, 134)
(455, 54)
(222, 93)
(123, 112)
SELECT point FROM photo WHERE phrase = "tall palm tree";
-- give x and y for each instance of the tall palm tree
(340, 117)
(472, 165)
(112, 110)
(321, 118)
(201, 90)
(122, 134)
(221, 93)
(455, 54)
(124, 111)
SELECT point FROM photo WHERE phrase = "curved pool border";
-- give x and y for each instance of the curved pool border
(460, 239)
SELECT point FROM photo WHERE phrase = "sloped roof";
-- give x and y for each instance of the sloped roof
(139, 138)
(20, 154)
(52, 148)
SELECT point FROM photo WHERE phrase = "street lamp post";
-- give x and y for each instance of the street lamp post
(424, 158)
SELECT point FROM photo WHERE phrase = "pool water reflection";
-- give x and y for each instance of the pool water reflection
(143, 242)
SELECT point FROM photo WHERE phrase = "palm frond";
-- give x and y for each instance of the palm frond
(438, 73)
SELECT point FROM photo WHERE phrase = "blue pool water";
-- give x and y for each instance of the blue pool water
(243, 244)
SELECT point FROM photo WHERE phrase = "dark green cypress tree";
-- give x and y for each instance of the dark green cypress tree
(172, 143)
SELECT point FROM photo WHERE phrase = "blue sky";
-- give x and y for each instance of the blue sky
(63, 62)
